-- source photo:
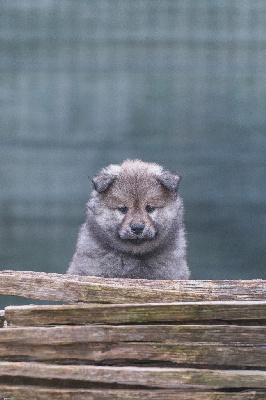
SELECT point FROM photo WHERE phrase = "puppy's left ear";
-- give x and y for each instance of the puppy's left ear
(102, 182)
(170, 181)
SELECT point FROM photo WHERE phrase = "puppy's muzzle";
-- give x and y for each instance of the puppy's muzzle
(137, 228)
(137, 233)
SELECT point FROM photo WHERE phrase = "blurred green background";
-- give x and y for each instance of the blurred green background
(87, 83)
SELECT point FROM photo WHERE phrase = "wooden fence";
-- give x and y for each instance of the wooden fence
(132, 339)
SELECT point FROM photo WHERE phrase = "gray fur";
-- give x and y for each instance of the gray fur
(107, 244)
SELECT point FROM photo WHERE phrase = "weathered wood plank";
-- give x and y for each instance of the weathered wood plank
(40, 393)
(2, 318)
(167, 334)
(225, 346)
(72, 289)
(140, 353)
(136, 313)
(169, 378)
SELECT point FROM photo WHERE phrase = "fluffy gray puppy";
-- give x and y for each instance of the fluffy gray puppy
(134, 226)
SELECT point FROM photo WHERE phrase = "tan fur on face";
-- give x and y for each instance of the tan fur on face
(134, 185)
(137, 186)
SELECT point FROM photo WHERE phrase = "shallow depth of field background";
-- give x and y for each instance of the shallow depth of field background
(89, 83)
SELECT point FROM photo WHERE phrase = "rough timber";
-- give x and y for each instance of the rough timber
(132, 339)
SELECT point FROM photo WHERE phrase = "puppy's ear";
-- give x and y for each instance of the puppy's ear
(170, 181)
(102, 182)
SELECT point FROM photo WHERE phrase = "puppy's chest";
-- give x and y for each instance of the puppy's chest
(117, 265)
(134, 268)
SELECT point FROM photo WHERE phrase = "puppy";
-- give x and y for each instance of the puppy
(134, 226)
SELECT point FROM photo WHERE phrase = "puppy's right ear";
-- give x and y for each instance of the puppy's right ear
(102, 182)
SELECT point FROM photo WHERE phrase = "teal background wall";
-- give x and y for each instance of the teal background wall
(88, 83)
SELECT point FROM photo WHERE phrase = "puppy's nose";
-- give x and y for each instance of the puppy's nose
(137, 228)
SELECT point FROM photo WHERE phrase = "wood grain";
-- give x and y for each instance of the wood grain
(167, 334)
(73, 289)
(136, 313)
(226, 346)
(192, 355)
(42, 393)
(169, 378)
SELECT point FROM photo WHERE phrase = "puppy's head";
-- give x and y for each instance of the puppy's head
(135, 206)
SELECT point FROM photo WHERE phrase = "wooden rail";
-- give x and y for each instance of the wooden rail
(154, 340)
(252, 311)
(75, 289)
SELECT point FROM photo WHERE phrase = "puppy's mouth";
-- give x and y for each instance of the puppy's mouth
(137, 241)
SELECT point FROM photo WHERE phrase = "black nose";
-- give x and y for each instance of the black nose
(137, 228)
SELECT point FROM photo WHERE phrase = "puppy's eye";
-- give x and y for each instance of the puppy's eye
(149, 209)
(123, 210)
